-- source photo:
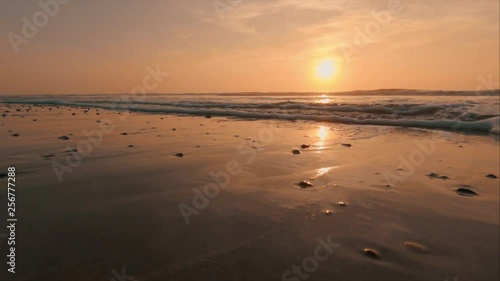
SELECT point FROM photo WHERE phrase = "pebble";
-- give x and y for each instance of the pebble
(342, 204)
(328, 212)
(437, 176)
(131, 145)
(208, 116)
(15, 135)
(295, 151)
(305, 184)
(179, 154)
(491, 176)
(346, 144)
(466, 192)
(124, 134)
(416, 247)
(63, 138)
(305, 146)
(372, 253)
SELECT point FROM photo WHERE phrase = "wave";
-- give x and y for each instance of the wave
(449, 114)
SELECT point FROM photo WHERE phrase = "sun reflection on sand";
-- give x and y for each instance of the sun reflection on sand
(322, 135)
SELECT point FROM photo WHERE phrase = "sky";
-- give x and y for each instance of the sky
(210, 46)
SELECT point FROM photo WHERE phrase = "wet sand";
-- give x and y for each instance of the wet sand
(118, 204)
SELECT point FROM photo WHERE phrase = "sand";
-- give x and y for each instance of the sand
(118, 200)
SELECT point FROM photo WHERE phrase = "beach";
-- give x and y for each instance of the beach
(157, 196)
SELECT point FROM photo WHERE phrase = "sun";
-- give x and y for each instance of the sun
(325, 69)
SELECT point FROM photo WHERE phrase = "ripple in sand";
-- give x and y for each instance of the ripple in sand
(491, 176)
(295, 151)
(466, 192)
(416, 247)
(305, 184)
(372, 253)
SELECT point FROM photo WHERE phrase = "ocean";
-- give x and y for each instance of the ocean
(447, 110)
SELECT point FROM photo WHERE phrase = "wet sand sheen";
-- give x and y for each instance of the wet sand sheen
(124, 196)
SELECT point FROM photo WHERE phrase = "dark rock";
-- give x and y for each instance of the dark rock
(305, 184)
(305, 146)
(131, 145)
(15, 135)
(466, 192)
(124, 134)
(342, 204)
(346, 144)
(179, 154)
(295, 151)
(63, 138)
(491, 176)
(437, 176)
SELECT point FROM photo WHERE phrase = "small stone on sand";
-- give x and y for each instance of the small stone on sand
(346, 144)
(328, 212)
(305, 146)
(466, 192)
(437, 176)
(342, 204)
(372, 253)
(208, 116)
(305, 184)
(491, 176)
(63, 138)
(15, 135)
(124, 134)
(295, 151)
(131, 145)
(179, 154)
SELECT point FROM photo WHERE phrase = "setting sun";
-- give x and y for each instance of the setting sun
(325, 69)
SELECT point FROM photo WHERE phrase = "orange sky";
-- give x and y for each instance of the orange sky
(254, 45)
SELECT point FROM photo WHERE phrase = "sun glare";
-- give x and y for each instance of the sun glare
(325, 69)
